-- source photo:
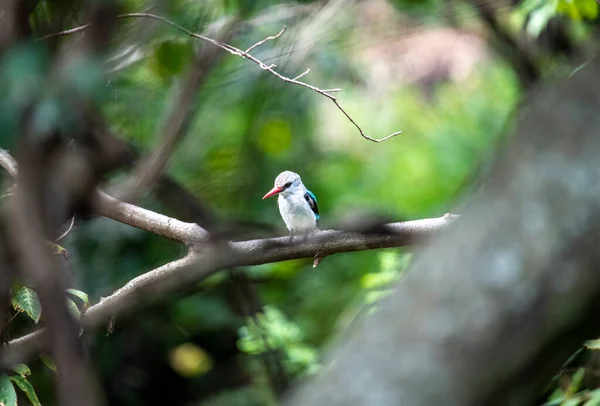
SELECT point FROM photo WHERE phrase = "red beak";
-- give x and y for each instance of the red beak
(272, 192)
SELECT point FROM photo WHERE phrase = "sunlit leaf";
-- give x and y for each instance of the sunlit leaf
(8, 396)
(21, 369)
(27, 300)
(190, 360)
(379, 279)
(538, 20)
(73, 309)
(58, 250)
(588, 8)
(81, 295)
(593, 398)
(575, 383)
(27, 388)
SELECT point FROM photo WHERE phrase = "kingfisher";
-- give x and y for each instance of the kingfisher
(297, 204)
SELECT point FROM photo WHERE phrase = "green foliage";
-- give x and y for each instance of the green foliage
(73, 309)
(535, 14)
(392, 265)
(21, 369)
(25, 299)
(8, 396)
(272, 331)
(48, 362)
(170, 57)
(81, 295)
(27, 388)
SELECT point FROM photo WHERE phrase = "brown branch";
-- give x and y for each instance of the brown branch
(199, 264)
(246, 55)
(187, 233)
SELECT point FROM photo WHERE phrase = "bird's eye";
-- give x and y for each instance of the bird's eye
(287, 185)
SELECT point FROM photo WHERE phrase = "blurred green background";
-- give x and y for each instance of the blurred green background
(412, 66)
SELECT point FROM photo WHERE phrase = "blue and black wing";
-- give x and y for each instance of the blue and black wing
(312, 202)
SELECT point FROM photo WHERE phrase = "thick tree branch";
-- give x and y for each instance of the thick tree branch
(135, 216)
(199, 264)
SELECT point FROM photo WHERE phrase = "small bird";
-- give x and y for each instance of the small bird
(297, 204)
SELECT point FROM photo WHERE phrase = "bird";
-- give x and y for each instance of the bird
(297, 205)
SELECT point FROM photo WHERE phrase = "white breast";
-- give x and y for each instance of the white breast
(296, 212)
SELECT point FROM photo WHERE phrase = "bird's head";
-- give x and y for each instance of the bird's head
(285, 182)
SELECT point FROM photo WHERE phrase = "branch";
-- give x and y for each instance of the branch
(8, 163)
(243, 54)
(199, 264)
(189, 234)
(175, 126)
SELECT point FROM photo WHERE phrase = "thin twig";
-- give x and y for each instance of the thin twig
(246, 55)
(68, 230)
(302, 74)
(259, 43)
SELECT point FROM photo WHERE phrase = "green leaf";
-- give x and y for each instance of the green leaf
(170, 57)
(81, 295)
(73, 309)
(27, 388)
(588, 8)
(48, 362)
(8, 396)
(58, 250)
(538, 19)
(27, 300)
(379, 279)
(594, 398)
(21, 369)
(576, 380)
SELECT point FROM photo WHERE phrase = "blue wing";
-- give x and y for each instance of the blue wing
(312, 202)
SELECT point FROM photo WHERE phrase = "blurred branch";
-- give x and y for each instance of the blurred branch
(8, 163)
(148, 170)
(135, 216)
(246, 55)
(201, 263)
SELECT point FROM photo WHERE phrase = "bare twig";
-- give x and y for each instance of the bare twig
(63, 235)
(259, 43)
(246, 55)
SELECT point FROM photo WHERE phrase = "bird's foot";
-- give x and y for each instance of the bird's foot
(291, 239)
